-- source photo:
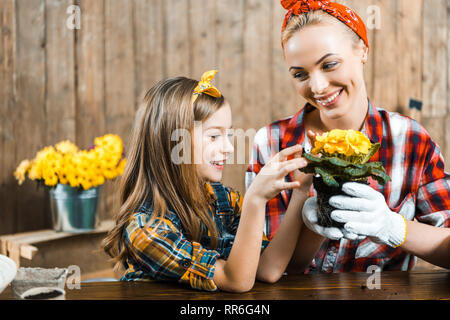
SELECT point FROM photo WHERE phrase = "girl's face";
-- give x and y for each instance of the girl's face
(213, 144)
(326, 69)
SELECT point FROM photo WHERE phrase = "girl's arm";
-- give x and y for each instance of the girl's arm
(276, 256)
(238, 272)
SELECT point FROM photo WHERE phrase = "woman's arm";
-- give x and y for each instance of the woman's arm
(308, 244)
(436, 248)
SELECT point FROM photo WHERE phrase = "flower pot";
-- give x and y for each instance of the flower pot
(73, 210)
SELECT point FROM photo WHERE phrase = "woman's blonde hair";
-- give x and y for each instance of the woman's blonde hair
(150, 173)
(316, 17)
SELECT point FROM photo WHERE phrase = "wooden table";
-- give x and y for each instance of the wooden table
(338, 286)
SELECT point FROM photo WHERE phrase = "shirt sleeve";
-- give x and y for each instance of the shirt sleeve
(433, 195)
(163, 252)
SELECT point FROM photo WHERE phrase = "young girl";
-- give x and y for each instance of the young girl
(176, 220)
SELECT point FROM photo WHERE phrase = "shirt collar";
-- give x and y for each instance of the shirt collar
(373, 125)
(295, 132)
(211, 195)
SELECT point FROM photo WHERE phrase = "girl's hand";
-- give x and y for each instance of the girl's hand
(270, 180)
(305, 179)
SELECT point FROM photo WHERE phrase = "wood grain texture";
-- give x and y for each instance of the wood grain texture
(176, 30)
(257, 58)
(8, 116)
(435, 59)
(90, 77)
(30, 125)
(149, 45)
(60, 73)
(334, 286)
(385, 58)
(202, 37)
(120, 99)
(409, 53)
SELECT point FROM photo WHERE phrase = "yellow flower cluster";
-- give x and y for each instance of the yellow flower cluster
(66, 164)
(344, 142)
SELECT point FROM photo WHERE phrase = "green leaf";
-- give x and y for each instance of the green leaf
(356, 172)
(380, 174)
(310, 168)
(327, 177)
(375, 165)
(371, 153)
(339, 162)
(311, 158)
(379, 179)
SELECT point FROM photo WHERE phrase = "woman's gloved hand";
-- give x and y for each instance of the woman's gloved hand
(309, 215)
(366, 213)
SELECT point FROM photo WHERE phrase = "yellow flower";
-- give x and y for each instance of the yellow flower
(66, 147)
(359, 143)
(21, 171)
(34, 172)
(121, 167)
(343, 142)
(65, 163)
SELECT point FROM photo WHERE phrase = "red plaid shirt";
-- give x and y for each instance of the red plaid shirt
(420, 188)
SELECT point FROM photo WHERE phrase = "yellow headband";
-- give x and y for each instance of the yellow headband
(205, 86)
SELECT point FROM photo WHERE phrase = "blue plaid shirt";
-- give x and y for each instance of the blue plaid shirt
(161, 251)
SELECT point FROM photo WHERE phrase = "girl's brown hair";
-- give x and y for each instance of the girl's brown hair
(152, 174)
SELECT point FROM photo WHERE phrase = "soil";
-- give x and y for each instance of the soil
(44, 295)
(324, 193)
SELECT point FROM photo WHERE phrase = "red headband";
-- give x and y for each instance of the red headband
(339, 11)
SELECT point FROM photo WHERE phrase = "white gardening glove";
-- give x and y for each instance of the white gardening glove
(366, 213)
(309, 215)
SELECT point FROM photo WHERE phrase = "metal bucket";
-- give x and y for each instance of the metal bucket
(73, 210)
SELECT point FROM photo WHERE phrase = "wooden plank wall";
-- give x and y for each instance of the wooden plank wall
(58, 83)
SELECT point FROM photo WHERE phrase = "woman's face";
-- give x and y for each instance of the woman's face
(326, 69)
(213, 144)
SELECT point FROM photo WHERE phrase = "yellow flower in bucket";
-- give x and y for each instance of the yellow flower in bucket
(64, 163)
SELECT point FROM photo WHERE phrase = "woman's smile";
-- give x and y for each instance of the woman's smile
(329, 100)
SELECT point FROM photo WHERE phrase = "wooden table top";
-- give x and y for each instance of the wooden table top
(338, 286)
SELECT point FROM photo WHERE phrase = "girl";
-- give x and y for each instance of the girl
(176, 220)
(325, 47)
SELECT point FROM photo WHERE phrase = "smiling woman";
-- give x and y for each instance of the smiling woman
(325, 48)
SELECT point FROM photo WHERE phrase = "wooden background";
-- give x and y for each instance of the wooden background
(57, 83)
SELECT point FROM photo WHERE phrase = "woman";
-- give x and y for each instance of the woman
(325, 47)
